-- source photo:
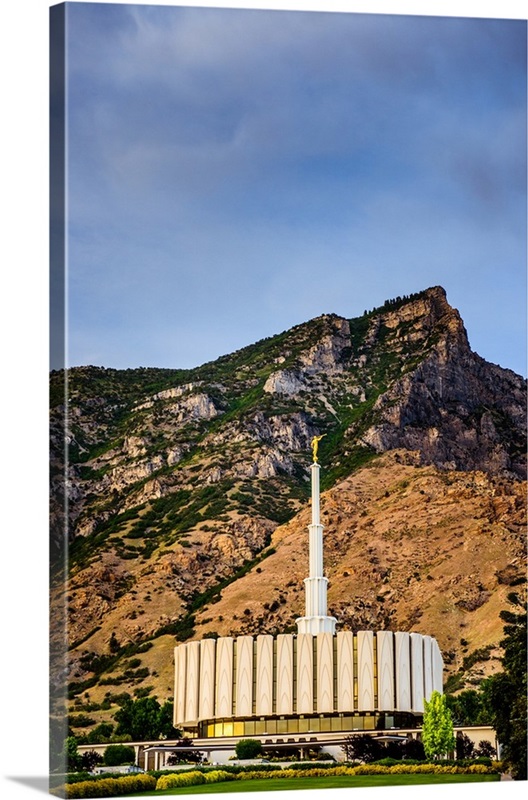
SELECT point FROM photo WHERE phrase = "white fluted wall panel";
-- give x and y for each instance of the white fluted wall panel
(325, 673)
(179, 693)
(224, 677)
(207, 678)
(305, 659)
(417, 673)
(244, 676)
(345, 671)
(385, 658)
(264, 699)
(438, 668)
(403, 671)
(175, 715)
(365, 651)
(428, 666)
(284, 673)
(193, 680)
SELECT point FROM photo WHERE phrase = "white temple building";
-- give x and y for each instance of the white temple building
(314, 686)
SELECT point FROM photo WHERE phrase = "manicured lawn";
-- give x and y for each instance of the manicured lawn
(330, 782)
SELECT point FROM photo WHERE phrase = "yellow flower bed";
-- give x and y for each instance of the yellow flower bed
(218, 775)
(175, 779)
(110, 787)
(371, 769)
(256, 774)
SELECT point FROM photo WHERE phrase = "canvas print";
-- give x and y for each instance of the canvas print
(288, 403)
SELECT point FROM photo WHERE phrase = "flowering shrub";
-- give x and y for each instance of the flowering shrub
(370, 769)
(111, 787)
(218, 775)
(277, 773)
(175, 779)
(481, 769)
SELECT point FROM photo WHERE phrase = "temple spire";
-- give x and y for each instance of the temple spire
(316, 619)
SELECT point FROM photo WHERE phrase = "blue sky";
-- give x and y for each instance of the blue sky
(233, 173)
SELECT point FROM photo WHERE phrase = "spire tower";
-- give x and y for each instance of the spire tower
(316, 619)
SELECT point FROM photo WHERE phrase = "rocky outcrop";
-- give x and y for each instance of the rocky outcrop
(328, 354)
(284, 382)
(457, 410)
(324, 358)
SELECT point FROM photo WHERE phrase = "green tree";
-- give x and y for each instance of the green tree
(145, 720)
(437, 733)
(486, 713)
(165, 717)
(465, 707)
(508, 690)
(101, 733)
(116, 754)
(248, 748)
(72, 757)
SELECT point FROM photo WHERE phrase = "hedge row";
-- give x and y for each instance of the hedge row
(109, 787)
(113, 787)
(232, 768)
(301, 766)
(372, 769)
(418, 769)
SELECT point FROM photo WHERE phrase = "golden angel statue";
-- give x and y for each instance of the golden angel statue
(315, 446)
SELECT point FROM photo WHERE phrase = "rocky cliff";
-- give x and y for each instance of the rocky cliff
(185, 489)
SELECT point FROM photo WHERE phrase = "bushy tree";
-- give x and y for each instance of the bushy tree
(248, 748)
(101, 733)
(116, 754)
(180, 755)
(485, 749)
(414, 749)
(464, 746)
(90, 759)
(145, 720)
(465, 707)
(437, 733)
(363, 747)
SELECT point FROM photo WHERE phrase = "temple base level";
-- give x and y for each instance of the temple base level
(288, 675)
(315, 625)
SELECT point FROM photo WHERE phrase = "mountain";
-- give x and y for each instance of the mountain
(188, 493)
